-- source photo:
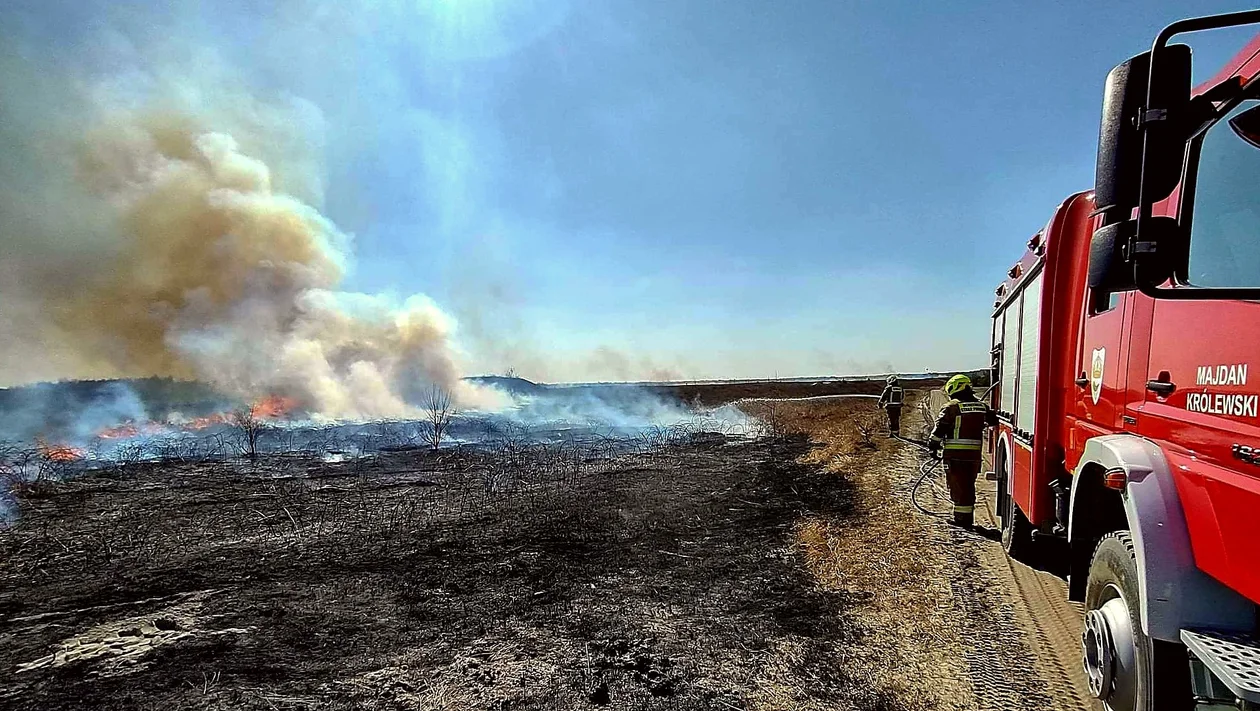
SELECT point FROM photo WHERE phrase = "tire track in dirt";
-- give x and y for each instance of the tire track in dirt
(994, 644)
(1053, 624)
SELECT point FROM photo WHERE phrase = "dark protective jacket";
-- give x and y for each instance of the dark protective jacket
(893, 396)
(960, 427)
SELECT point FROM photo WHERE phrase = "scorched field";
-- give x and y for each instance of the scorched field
(689, 566)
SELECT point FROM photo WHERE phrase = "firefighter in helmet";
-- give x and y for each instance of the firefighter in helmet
(958, 434)
(891, 400)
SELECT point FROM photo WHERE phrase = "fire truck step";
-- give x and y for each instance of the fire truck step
(1233, 659)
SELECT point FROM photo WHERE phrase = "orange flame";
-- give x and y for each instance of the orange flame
(58, 452)
(272, 407)
(130, 429)
(200, 423)
(123, 431)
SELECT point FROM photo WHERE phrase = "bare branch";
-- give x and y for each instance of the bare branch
(438, 411)
(251, 427)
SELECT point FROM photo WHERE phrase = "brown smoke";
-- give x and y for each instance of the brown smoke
(172, 250)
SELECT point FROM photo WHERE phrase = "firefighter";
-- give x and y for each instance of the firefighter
(958, 434)
(891, 400)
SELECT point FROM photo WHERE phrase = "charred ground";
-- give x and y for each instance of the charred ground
(525, 577)
(684, 569)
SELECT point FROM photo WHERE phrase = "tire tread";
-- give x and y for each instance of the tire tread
(1167, 665)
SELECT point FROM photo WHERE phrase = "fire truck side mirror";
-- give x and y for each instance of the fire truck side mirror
(1107, 267)
(1111, 270)
(1126, 117)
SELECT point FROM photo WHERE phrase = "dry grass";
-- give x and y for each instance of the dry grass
(880, 555)
(841, 430)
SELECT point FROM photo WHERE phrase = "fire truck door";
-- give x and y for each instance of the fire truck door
(1100, 370)
(1202, 403)
(1201, 384)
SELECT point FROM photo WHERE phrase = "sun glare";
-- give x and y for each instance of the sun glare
(483, 29)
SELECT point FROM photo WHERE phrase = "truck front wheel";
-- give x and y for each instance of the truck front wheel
(1124, 666)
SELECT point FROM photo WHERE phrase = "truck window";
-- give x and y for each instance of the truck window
(1224, 249)
(1010, 355)
(1101, 303)
(1026, 403)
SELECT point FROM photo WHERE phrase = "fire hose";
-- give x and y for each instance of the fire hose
(929, 465)
(925, 470)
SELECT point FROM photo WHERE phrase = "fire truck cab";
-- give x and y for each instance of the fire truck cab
(1126, 352)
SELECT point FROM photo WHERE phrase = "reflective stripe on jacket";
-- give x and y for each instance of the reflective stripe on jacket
(960, 427)
(893, 396)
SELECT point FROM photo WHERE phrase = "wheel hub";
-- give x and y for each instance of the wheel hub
(1110, 656)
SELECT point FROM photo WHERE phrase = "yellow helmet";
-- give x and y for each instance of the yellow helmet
(957, 384)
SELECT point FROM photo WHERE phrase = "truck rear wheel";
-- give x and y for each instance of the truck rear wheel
(1127, 670)
(1016, 530)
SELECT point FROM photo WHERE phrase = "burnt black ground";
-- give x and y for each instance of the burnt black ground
(665, 579)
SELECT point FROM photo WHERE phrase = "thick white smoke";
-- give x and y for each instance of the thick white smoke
(168, 230)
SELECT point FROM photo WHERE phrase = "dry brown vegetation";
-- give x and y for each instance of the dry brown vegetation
(935, 624)
(840, 430)
(879, 552)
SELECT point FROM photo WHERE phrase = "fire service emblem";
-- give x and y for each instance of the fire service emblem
(1096, 373)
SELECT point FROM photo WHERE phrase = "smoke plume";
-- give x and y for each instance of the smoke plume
(153, 227)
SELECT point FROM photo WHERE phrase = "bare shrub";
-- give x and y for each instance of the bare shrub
(250, 427)
(174, 448)
(130, 452)
(438, 410)
(772, 417)
(867, 425)
(214, 447)
(50, 467)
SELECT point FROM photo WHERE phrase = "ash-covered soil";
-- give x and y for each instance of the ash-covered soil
(528, 578)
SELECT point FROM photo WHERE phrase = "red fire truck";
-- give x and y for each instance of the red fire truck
(1126, 351)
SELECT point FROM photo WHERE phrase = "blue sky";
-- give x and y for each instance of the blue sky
(627, 188)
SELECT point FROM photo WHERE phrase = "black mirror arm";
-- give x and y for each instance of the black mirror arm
(1151, 116)
(1194, 24)
(1206, 108)
(1197, 24)
(1190, 293)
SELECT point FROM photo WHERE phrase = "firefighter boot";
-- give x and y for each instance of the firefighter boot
(963, 519)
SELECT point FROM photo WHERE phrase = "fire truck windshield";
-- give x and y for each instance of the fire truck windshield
(1225, 232)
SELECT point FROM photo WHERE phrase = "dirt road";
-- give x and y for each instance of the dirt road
(1011, 600)
(1015, 616)
(1052, 624)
